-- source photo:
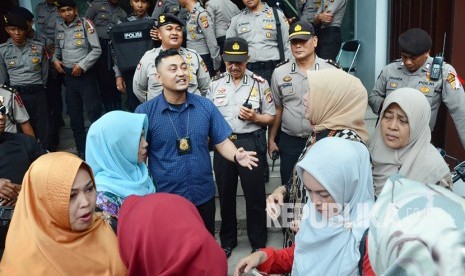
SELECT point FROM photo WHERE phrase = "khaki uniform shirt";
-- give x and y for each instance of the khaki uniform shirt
(23, 65)
(307, 9)
(105, 15)
(337, 7)
(77, 44)
(146, 85)
(229, 99)
(447, 89)
(16, 110)
(260, 31)
(201, 35)
(46, 19)
(222, 11)
(289, 85)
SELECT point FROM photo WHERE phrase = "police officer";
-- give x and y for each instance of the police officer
(47, 16)
(201, 35)
(221, 12)
(307, 10)
(257, 25)
(27, 14)
(329, 18)
(106, 14)
(246, 103)
(77, 51)
(15, 112)
(146, 85)
(288, 85)
(414, 70)
(23, 65)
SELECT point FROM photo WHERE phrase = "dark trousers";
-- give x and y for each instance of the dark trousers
(81, 92)
(111, 97)
(55, 104)
(132, 100)
(220, 40)
(290, 148)
(35, 101)
(329, 43)
(226, 173)
(207, 212)
(209, 63)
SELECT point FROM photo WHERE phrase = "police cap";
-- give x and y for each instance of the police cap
(236, 49)
(12, 19)
(415, 42)
(167, 18)
(65, 3)
(301, 30)
(25, 13)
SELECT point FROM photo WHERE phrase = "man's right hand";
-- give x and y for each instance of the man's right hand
(8, 192)
(120, 84)
(59, 66)
(272, 146)
(274, 202)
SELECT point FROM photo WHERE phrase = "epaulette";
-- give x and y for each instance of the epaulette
(217, 77)
(9, 88)
(282, 63)
(333, 63)
(258, 78)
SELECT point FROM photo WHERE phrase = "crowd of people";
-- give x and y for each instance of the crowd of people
(138, 197)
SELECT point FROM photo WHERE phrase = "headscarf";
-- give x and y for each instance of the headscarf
(112, 151)
(418, 160)
(343, 168)
(163, 234)
(417, 229)
(40, 240)
(337, 101)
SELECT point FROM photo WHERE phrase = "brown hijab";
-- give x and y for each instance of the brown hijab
(337, 101)
(40, 240)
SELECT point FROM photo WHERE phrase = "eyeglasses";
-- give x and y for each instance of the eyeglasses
(3, 110)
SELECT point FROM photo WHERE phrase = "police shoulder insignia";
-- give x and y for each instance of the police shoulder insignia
(268, 96)
(204, 66)
(18, 100)
(90, 27)
(333, 63)
(282, 63)
(452, 80)
(258, 78)
(204, 21)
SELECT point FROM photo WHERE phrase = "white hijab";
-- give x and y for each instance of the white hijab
(343, 169)
(418, 160)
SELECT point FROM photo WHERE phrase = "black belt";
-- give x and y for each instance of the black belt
(239, 136)
(29, 89)
(262, 65)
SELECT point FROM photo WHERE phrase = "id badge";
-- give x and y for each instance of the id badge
(184, 145)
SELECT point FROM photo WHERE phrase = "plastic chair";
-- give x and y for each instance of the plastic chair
(347, 55)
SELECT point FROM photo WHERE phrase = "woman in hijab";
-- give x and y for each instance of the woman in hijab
(163, 234)
(402, 141)
(54, 230)
(417, 229)
(116, 151)
(337, 176)
(335, 106)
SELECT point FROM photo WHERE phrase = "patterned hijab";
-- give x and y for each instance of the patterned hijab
(417, 229)
(40, 240)
(112, 151)
(163, 234)
(418, 160)
(331, 246)
(337, 101)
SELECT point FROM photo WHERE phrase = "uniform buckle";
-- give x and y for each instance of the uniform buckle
(232, 137)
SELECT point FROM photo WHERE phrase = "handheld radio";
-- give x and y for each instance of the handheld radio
(246, 104)
(436, 67)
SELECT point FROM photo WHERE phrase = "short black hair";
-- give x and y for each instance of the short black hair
(164, 54)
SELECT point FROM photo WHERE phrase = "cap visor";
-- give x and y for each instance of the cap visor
(235, 58)
(301, 37)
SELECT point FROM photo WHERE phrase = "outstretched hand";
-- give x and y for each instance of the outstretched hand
(250, 262)
(246, 158)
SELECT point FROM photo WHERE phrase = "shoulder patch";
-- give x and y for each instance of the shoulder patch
(282, 63)
(90, 27)
(333, 63)
(258, 78)
(218, 77)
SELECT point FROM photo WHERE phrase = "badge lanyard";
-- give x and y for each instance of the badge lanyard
(183, 144)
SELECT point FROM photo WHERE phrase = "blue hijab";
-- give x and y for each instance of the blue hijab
(112, 152)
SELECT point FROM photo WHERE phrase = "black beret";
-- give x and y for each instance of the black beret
(167, 18)
(65, 3)
(415, 42)
(23, 12)
(12, 19)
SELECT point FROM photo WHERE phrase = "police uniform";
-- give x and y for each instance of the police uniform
(229, 98)
(147, 87)
(165, 6)
(104, 16)
(77, 43)
(201, 37)
(47, 17)
(16, 112)
(307, 10)
(260, 30)
(26, 68)
(329, 37)
(447, 89)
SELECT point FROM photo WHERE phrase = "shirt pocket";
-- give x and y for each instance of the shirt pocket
(35, 61)
(269, 29)
(79, 40)
(11, 63)
(244, 29)
(220, 101)
(60, 40)
(287, 90)
(40, 20)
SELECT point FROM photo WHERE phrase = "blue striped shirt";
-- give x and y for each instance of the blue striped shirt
(188, 175)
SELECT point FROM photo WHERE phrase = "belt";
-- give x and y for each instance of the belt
(239, 136)
(30, 88)
(262, 65)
